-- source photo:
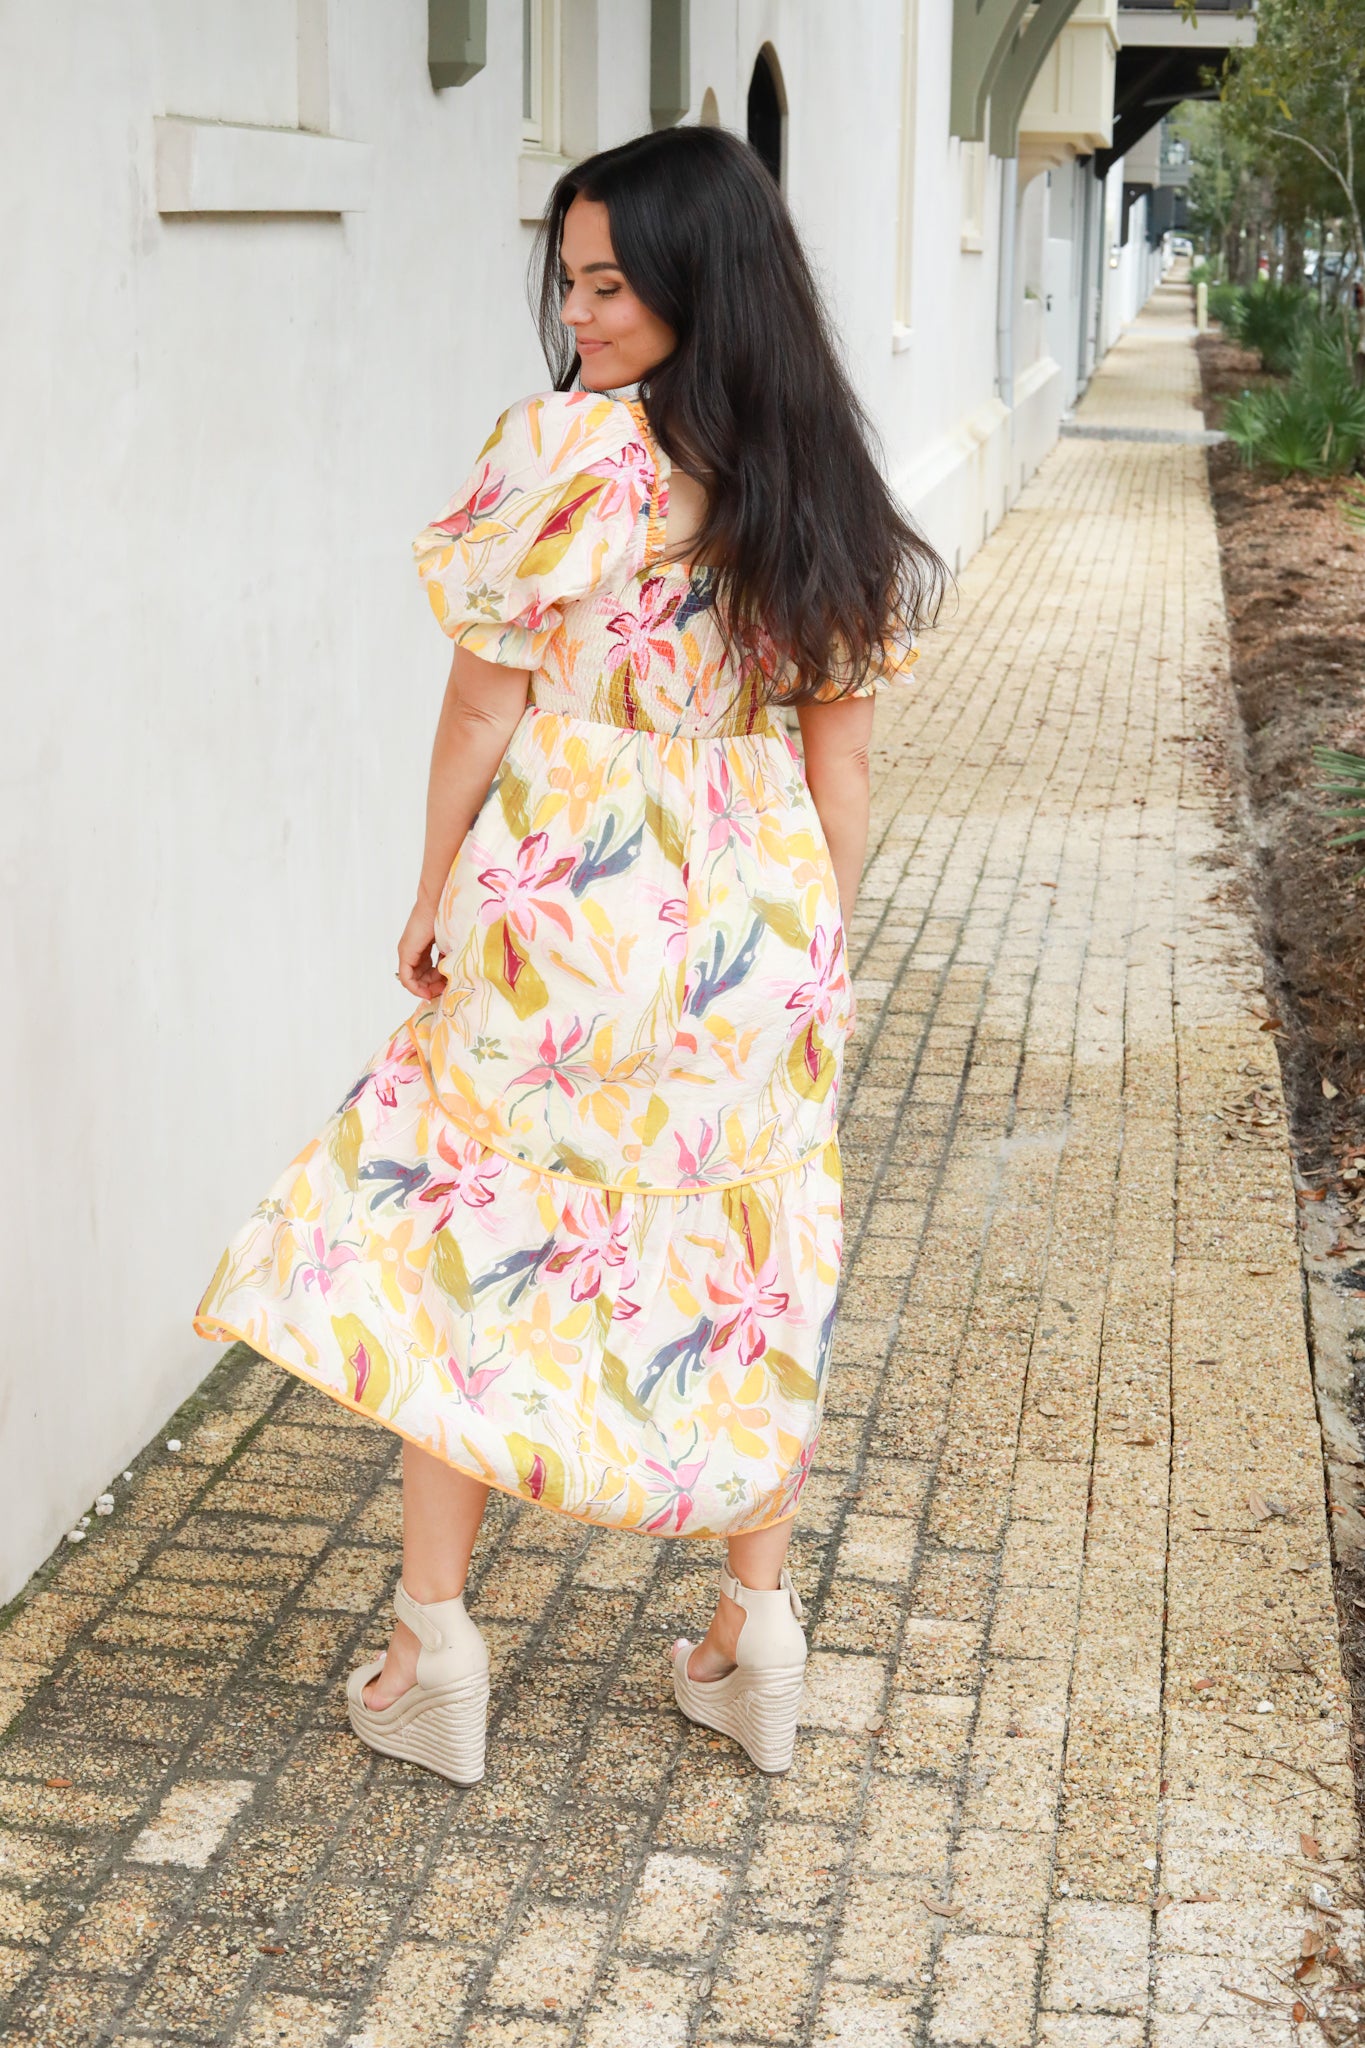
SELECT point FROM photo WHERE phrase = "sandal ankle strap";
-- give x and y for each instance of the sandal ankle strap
(435, 1623)
(742, 1595)
(451, 1646)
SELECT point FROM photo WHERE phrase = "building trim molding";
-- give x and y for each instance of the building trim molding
(208, 167)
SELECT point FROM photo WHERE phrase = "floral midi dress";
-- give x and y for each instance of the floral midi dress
(577, 1228)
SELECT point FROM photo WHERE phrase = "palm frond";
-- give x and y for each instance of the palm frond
(1341, 773)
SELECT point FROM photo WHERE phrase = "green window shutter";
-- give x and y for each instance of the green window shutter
(670, 61)
(457, 40)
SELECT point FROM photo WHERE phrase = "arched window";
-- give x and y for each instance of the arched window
(767, 109)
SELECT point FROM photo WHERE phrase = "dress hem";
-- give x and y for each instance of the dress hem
(225, 1333)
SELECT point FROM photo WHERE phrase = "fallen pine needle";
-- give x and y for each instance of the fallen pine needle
(1270, 2004)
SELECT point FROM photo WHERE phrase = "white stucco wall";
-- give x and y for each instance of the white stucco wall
(1133, 268)
(1063, 271)
(219, 435)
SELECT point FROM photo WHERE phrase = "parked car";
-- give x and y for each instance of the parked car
(1340, 270)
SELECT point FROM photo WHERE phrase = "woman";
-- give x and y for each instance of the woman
(576, 1232)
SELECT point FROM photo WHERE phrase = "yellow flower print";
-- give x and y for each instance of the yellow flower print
(731, 1047)
(605, 1107)
(739, 1422)
(397, 1265)
(615, 960)
(482, 1121)
(578, 783)
(684, 1300)
(549, 1353)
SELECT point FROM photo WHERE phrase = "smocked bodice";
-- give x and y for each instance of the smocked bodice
(646, 653)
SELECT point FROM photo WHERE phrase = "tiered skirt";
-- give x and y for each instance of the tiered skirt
(576, 1229)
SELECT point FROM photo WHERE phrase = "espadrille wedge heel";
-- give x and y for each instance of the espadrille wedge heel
(442, 1721)
(758, 1702)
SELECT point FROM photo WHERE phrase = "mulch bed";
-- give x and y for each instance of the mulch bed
(1295, 579)
(1294, 574)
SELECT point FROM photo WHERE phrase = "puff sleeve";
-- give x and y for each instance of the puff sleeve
(899, 655)
(552, 508)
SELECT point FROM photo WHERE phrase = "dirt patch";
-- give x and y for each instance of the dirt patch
(1294, 575)
(1295, 580)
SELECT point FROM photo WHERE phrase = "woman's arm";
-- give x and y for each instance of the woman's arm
(837, 741)
(482, 706)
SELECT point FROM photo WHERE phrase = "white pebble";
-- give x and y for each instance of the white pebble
(1264, 1707)
(172, 1443)
(127, 1475)
(104, 1505)
(85, 1521)
(75, 1535)
(1319, 1896)
(1149, 1863)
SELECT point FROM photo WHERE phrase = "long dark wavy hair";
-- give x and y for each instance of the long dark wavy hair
(813, 562)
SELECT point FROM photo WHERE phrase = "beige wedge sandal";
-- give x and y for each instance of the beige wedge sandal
(442, 1721)
(758, 1702)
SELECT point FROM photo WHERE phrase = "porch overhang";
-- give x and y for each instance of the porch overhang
(1000, 51)
(1165, 58)
(1067, 109)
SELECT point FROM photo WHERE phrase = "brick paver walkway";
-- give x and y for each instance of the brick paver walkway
(1075, 1694)
(1151, 379)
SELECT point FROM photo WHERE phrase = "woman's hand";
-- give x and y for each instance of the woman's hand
(417, 969)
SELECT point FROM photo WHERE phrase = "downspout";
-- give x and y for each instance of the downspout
(1004, 309)
(1103, 288)
(1083, 306)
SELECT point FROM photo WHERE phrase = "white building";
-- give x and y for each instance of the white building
(264, 269)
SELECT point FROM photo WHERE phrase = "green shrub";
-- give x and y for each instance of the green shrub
(1224, 300)
(1201, 272)
(1324, 363)
(1270, 318)
(1312, 425)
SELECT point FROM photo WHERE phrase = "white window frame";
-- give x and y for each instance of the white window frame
(903, 320)
(542, 155)
(974, 196)
(540, 121)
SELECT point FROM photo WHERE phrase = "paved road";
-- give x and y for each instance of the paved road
(1075, 1692)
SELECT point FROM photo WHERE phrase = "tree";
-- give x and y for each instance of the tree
(1228, 189)
(1298, 95)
